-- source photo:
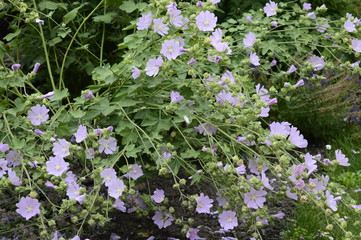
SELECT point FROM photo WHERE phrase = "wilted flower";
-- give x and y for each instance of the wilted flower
(39, 21)
(38, 114)
(119, 204)
(206, 129)
(206, 21)
(36, 67)
(28, 207)
(299, 83)
(292, 69)
(13, 158)
(15, 67)
(331, 201)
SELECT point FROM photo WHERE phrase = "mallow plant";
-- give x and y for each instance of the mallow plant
(176, 103)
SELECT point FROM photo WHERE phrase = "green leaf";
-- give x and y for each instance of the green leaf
(77, 113)
(71, 15)
(106, 18)
(65, 129)
(54, 41)
(19, 106)
(60, 94)
(128, 6)
(18, 144)
(129, 136)
(142, 6)
(131, 151)
(10, 36)
(190, 154)
(48, 5)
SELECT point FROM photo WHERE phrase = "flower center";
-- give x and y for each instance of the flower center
(29, 209)
(57, 167)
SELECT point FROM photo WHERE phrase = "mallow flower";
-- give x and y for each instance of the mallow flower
(56, 166)
(255, 199)
(162, 219)
(228, 220)
(107, 146)
(249, 40)
(356, 45)
(270, 9)
(153, 66)
(206, 21)
(28, 207)
(145, 21)
(204, 204)
(341, 158)
(171, 49)
(38, 114)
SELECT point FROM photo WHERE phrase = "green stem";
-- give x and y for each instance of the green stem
(71, 43)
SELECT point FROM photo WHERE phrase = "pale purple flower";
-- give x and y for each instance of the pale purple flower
(300, 184)
(349, 26)
(13, 158)
(355, 64)
(199, 4)
(192, 61)
(265, 181)
(255, 199)
(204, 204)
(135, 72)
(15, 67)
(73, 192)
(110, 128)
(120, 205)
(206, 129)
(107, 146)
(221, 200)
(273, 62)
(39, 21)
(280, 128)
(38, 114)
(220, 46)
(319, 185)
(98, 131)
(145, 21)
(241, 169)
(216, 36)
(192, 234)
(162, 219)
(15, 180)
(3, 167)
(175, 16)
(224, 96)
(299, 83)
(4, 147)
(270, 9)
(274, 23)
(307, 6)
(116, 188)
(135, 171)
(61, 148)
(292, 69)
(56, 166)
(249, 40)
(297, 139)
(109, 175)
(228, 220)
(321, 27)
(70, 177)
(254, 59)
(28, 207)
(312, 15)
(317, 62)
(76, 238)
(81, 134)
(341, 158)
(206, 21)
(249, 18)
(310, 163)
(356, 45)
(215, 1)
(331, 201)
(48, 95)
(228, 75)
(36, 67)
(153, 66)
(171, 49)
(290, 194)
(159, 27)
(264, 221)
(158, 196)
(356, 206)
